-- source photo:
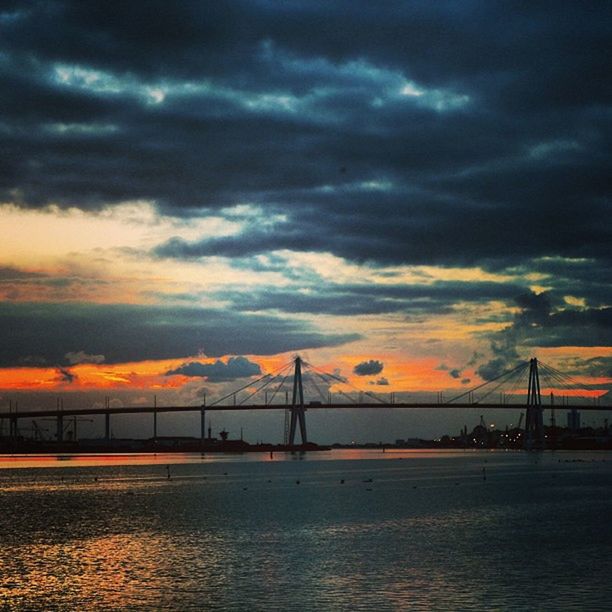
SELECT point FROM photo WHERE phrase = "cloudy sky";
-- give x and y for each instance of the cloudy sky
(412, 194)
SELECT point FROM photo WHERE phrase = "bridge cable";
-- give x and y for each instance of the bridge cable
(249, 384)
(280, 386)
(346, 395)
(346, 382)
(269, 381)
(322, 376)
(568, 381)
(494, 388)
(314, 384)
(488, 382)
(499, 384)
(520, 383)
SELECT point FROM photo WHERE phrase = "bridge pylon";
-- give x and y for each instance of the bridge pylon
(534, 423)
(297, 405)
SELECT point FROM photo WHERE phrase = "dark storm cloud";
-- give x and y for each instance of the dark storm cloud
(438, 297)
(368, 368)
(543, 320)
(219, 371)
(447, 132)
(595, 366)
(52, 333)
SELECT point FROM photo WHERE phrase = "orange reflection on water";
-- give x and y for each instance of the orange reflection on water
(94, 459)
(117, 572)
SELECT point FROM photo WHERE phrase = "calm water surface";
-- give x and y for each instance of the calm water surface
(405, 531)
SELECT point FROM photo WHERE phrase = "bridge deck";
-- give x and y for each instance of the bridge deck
(68, 412)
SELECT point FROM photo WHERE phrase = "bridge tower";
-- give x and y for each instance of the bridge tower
(534, 422)
(297, 405)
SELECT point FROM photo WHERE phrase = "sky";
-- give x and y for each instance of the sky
(413, 195)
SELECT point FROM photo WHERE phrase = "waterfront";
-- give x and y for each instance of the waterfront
(348, 529)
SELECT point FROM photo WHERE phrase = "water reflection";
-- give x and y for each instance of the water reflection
(424, 533)
(84, 460)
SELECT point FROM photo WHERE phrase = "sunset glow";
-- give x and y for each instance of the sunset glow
(163, 218)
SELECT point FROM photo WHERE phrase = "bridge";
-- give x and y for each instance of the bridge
(518, 387)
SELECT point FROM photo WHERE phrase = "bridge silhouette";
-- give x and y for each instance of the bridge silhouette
(299, 386)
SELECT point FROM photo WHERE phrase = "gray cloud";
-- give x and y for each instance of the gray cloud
(409, 133)
(368, 368)
(9, 274)
(219, 371)
(544, 320)
(437, 297)
(419, 132)
(77, 357)
(123, 333)
(493, 368)
(595, 366)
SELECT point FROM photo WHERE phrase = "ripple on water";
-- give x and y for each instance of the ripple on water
(134, 540)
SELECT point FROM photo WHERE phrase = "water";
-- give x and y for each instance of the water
(411, 530)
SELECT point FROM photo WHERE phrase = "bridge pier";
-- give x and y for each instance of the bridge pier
(59, 432)
(107, 427)
(534, 422)
(297, 406)
(202, 426)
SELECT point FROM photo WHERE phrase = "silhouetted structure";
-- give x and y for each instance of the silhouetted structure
(534, 422)
(297, 405)
(331, 394)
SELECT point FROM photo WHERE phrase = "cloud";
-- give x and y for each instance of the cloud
(65, 376)
(438, 297)
(474, 359)
(235, 367)
(78, 357)
(368, 368)
(455, 373)
(422, 143)
(424, 134)
(545, 320)
(382, 381)
(124, 333)
(493, 368)
(595, 366)
(10, 274)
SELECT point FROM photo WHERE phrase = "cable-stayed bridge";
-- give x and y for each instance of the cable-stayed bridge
(299, 386)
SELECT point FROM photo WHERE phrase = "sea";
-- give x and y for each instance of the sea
(331, 530)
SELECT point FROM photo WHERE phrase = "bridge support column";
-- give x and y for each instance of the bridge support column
(155, 418)
(107, 426)
(13, 428)
(297, 405)
(534, 423)
(202, 426)
(60, 428)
